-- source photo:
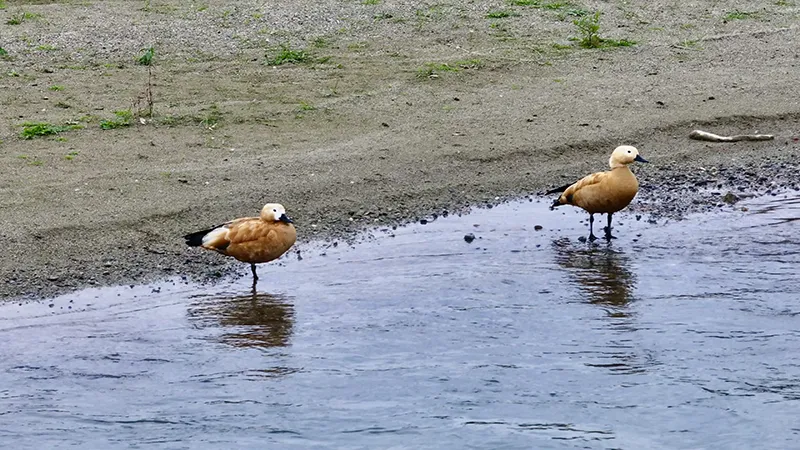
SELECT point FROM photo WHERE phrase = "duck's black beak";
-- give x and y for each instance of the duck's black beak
(285, 219)
(640, 159)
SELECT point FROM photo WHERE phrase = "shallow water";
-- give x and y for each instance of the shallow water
(683, 337)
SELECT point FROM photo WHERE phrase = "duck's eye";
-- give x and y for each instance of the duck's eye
(629, 151)
(275, 210)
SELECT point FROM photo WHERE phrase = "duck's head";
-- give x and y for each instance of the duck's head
(624, 155)
(274, 212)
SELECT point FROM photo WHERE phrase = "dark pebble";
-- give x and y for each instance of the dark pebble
(730, 198)
(469, 237)
(537, 227)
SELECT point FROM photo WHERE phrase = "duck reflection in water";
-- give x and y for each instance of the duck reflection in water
(604, 275)
(251, 320)
(599, 271)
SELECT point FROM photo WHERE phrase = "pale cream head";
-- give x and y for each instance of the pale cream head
(274, 212)
(624, 155)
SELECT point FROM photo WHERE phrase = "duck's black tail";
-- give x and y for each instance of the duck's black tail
(558, 189)
(196, 239)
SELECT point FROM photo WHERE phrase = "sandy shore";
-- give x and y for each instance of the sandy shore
(397, 112)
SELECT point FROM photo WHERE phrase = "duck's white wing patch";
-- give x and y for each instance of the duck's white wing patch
(215, 236)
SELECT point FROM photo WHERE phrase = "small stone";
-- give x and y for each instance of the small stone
(469, 237)
(537, 227)
(52, 278)
(423, 221)
(730, 198)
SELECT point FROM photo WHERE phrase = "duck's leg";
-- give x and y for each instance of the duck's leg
(592, 237)
(255, 275)
(608, 229)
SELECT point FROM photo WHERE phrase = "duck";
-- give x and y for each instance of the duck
(604, 192)
(252, 240)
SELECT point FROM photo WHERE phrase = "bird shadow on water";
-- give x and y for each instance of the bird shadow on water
(255, 319)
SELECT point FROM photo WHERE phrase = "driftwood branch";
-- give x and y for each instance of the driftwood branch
(706, 136)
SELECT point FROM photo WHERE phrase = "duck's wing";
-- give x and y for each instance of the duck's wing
(569, 193)
(216, 238)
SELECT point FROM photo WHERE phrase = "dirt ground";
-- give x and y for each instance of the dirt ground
(390, 112)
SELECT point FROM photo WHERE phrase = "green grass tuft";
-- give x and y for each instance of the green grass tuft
(305, 106)
(500, 14)
(287, 55)
(17, 19)
(432, 70)
(741, 15)
(589, 30)
(146, 59)
(32, 130)
(212, 117)
(122, 118)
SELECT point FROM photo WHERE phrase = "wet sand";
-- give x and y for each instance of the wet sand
(357, 138)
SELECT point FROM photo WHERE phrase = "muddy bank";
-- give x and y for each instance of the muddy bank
(711, 177)
(397, 113)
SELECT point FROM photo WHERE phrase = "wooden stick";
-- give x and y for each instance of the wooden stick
(706, 136)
